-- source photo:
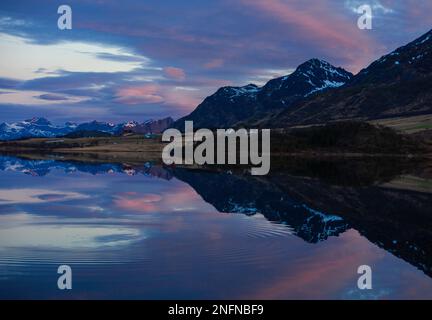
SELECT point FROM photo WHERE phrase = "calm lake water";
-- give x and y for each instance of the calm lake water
(145, 232)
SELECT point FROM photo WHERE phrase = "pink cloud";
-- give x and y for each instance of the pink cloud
(139, 94)
(181, 100)
(142, 203)
(321, 24)
(175, 73)
(418, 11)
(150, 203)
(323, 273)
(215, 63)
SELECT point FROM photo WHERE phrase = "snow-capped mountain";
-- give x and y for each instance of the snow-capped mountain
(312, 76)
(396, 85)
(230, 105)
(224, 108)
(130, 124)
(42, 128)
(35, 127)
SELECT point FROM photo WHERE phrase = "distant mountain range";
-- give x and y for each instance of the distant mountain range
(397, 84)
(41, 127)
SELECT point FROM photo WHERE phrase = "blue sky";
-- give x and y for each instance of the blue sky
(134, 60)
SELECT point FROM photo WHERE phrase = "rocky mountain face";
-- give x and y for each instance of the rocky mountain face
(310, 77)
(396, 85)
(41, 127)
(224, 108)
(230, 105)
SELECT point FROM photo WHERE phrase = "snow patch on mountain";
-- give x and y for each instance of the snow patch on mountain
(250, 90)
(327, 84)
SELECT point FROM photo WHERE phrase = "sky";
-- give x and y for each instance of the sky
(141, 59)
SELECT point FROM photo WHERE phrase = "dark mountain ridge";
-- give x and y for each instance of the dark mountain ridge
(230, 105)
(396, 85)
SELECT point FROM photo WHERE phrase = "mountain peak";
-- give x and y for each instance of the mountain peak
(130, 124)
(38, 121)
(231, 105)
(314, 64)
(310, 77)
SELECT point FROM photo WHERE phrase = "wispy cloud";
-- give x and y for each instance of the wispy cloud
(375, 5)
(175, 73)
(22, 196)
(31, 98)
(139, 95)
(52, 97)
(17, 62)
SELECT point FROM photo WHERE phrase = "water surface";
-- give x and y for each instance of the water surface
(147, 232)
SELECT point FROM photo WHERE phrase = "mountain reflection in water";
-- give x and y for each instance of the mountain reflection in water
(314, 200)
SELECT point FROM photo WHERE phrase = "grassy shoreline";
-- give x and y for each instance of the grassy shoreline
(337, 140)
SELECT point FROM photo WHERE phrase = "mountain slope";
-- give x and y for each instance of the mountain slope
(398, 84)
(230, 105)
(310, 77)
(224, 108)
